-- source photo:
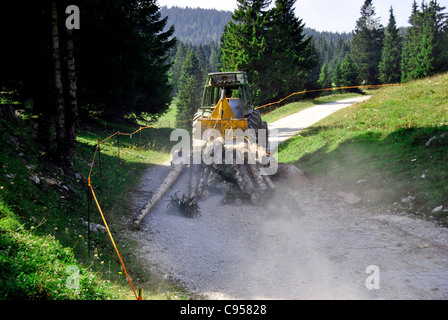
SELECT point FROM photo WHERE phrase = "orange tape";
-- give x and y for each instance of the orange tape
(112, 239)
(328, 89)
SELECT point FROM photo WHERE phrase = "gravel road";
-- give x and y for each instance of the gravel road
(307, 244)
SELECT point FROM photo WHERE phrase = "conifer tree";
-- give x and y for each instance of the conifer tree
(324, 77)
(244, 44)
(337, 77)
(190, 88)
(270, 45)
(367, 43)
(290, 52)
(203, 63)
(176, 68)
(425, 49)
(390, 65)
(349, 74)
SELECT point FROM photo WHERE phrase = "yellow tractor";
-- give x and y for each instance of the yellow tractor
(227, 105)
(228, 112)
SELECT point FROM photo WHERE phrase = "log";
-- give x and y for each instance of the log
(212, 179)
(170, 179)
(248, 184)
(203, 180)
(238, 176)
(261, 185)
(268, 182)
(195, 170)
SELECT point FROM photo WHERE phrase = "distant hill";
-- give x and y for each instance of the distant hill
(205, 27)
(196, 26)
(202, 26)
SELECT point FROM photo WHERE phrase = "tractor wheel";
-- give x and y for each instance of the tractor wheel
(254, 120)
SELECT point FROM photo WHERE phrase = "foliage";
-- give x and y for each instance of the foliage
(390, 65)
(425, 48)
(244, 43)
(349, 74)
(380, 148)
(325, 78)
(270, 45)
(189, 207)
(190, 89)
(196, 26)
(41, 232)
(331, 47)
(367, 44)
(126, 73)
(207, 58)
(121, 54)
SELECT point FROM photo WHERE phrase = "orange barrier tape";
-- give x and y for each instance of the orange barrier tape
(328, 89)
(112, 239)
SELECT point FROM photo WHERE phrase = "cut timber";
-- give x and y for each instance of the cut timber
(173, 174)
(248, 184)
(203, 180)
(261, 184)
(195, 170)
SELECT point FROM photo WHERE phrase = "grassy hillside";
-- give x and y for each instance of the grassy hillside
(388, 149)
(43, 242)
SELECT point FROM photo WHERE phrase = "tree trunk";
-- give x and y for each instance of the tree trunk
(71, 108)
(59, 92)
(169, 180)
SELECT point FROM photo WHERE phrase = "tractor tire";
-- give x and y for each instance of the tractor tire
(254, 120)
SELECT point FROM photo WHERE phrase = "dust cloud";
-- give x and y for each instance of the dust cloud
(297, 243)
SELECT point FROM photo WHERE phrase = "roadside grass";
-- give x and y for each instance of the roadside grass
(391, 147)
(271, 114)
(40, 229)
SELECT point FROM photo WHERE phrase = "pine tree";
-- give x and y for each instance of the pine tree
(290, 52)
(190, 88)
(349, 74)
(213, 58)
(270, 45)
(425, 49)
(337, 77)
(426, 54)
(203, 63)
(390, 65)
(244, 44)
(176, 68)
(436, 32)
(324, 77)
(411, 45)
(367, 43)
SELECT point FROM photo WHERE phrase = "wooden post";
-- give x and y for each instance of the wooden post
(99, 157)
(89, 201)
(140, 137)
(118, 143)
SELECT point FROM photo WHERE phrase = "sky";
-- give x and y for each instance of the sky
(322, 15)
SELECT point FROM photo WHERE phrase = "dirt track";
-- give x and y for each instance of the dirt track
(306, 245)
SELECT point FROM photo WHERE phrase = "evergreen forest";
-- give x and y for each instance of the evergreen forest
(281, 55)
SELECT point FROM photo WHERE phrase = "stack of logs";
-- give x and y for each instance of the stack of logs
(243, 181)
(249, 182)
(246, 176)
